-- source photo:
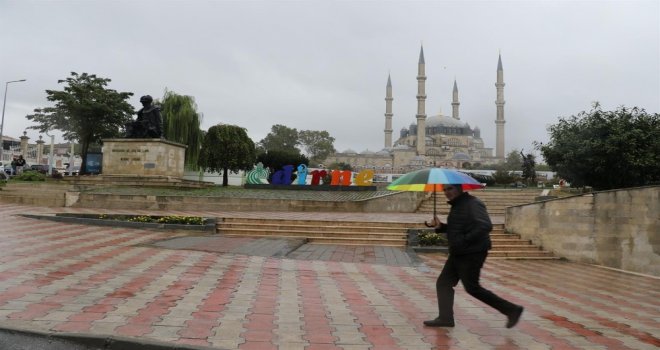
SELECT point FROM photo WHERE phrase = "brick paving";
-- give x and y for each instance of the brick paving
(61, 277)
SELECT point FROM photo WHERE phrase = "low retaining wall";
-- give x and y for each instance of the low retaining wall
(618, 228)
(400, 202)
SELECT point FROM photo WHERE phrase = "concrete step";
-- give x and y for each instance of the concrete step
(518, 254)
(318, 231)
(504, 257)
(515, 247)
(509, 242)
(401, 235)
(495, 200)
(312, 223)
(340, 240)
(305, 228)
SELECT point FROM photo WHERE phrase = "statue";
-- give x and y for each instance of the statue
(528, 171)
(149, 124)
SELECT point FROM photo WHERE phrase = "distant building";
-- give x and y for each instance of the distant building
(38, 152)
(447, 141)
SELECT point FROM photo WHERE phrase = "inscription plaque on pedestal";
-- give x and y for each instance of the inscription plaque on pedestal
(143, 157)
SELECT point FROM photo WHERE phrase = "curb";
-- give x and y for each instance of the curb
(13, 338)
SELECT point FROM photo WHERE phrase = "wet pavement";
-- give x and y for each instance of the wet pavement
(243, 293)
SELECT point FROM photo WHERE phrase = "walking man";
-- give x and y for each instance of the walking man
(468, 232)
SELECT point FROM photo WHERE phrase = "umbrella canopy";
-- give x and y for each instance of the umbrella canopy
(432, 180)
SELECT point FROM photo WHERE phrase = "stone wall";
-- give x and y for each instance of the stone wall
(618, 228)
(403, 202)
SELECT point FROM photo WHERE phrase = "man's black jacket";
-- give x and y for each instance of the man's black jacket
(468, 226)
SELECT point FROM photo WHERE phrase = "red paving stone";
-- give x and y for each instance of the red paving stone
(108, 281)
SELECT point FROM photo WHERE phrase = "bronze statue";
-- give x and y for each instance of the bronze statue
(149, 123)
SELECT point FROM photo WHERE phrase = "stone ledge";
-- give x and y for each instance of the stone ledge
(134, 180)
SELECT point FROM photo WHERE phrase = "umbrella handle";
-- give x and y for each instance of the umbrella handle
(434, 223)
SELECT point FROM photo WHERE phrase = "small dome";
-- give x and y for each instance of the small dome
(383, 152)
(350, 151)
(366, 151)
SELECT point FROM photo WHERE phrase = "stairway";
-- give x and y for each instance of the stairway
(319, 231)
(511, 246)
(496, 200)
(505, 245)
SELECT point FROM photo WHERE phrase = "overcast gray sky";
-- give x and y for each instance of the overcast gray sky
(323, 65)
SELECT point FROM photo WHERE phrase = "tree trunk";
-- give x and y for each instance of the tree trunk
(225, 177)
(84, 147)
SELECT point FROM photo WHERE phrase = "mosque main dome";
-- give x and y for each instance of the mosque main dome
(443, 121)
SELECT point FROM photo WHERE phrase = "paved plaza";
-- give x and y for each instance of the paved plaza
(244, 293)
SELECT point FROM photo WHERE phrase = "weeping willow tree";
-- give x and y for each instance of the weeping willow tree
(181, 122)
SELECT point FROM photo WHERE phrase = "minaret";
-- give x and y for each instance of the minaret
(388, 113)
(499, 122)
(421, 105)
(455, 103)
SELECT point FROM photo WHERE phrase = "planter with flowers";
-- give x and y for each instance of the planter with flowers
(427, 241)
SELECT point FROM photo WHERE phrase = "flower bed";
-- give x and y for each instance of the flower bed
(139, 221)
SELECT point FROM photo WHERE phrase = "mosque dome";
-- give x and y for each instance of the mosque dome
(366, 151)
(443, 120)
(350, 151)
(383, 152)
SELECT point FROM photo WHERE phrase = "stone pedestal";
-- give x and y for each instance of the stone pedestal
(143, 157)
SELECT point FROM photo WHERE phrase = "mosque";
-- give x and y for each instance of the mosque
(447, 141)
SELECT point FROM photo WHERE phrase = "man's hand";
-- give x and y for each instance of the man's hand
(434, 223)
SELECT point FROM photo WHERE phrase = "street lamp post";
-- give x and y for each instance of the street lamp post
(50, 154)
(2, 125)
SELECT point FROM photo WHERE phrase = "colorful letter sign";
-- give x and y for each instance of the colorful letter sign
(283, 176)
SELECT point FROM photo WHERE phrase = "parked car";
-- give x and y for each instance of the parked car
(42, 168)
(74, 171)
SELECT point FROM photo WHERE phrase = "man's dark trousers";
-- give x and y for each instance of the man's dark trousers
(467, 268)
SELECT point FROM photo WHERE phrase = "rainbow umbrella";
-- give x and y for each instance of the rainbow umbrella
(433, 179)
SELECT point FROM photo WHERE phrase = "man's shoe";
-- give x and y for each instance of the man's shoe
(439, 323)
(514, 316)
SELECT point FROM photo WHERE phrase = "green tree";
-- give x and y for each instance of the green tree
(513, 160)
(605, 149)
(181, 123)
(317, 144)
(280, 138)
(85, 111)
(503, 177)
(227, 148)
(339, 166)
(275, 160)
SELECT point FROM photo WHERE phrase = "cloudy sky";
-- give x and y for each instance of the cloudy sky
(323, 65)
